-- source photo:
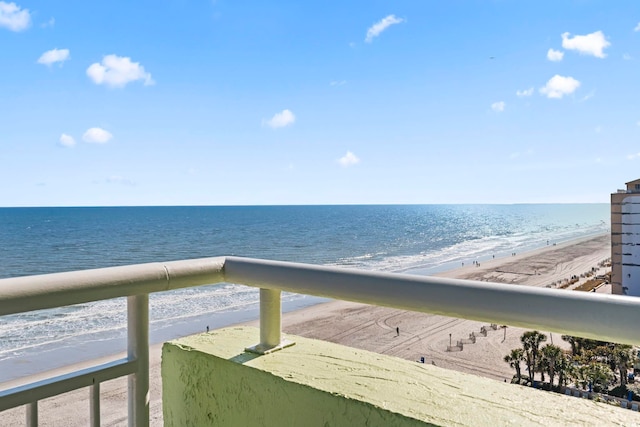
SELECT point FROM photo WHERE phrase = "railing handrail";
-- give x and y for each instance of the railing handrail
(28, 293)
(586, 314)
(603, 317)
(37, 390)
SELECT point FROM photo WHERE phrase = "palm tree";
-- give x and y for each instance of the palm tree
(531, 343)
(597, 374)
(580, 345)
(513, 359)
(573, 342)
(622, 356)
(551, 354)
(564, 369)
(600, 376)
(542, 366)
(528, 360)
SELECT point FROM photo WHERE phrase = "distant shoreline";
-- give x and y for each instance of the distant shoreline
(449, 269)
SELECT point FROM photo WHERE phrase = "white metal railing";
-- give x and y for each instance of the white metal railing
(604, 317)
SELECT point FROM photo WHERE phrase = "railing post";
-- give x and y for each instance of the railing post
(94, 411)
(138, 349)
(270, 323)
(32, 414)
(270, 317)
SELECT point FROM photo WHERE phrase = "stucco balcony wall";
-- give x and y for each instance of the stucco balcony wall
(209, 379)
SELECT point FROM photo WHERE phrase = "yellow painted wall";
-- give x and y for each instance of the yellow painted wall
(209, 379)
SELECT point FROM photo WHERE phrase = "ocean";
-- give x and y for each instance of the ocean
(418, 239)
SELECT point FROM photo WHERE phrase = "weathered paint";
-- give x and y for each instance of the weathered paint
(209, 379)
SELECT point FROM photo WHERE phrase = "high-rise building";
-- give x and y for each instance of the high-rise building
(625, 240)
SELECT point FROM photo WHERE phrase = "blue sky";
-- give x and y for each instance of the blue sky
(317, 102)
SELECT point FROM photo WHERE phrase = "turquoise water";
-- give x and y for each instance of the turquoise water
(424, 238)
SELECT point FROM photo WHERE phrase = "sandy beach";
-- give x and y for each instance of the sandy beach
(375, 329)
(424, 335)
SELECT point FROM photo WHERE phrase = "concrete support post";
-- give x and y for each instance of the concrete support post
(138, 349)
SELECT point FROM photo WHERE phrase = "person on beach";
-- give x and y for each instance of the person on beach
(397, 331)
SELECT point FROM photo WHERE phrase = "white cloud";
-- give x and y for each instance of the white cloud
(633, 156)
(637, 28)
(13, 17)
(555, 55)
(498, 107)
(280, 120)
(338, 83)
(117, 71)
(97, 136)
(598, 129)
(558, 86)
(380, 26)
(67, 140)
(348, 159)
(526, 92)
(54, 55)
(626, 56)
(590, 44)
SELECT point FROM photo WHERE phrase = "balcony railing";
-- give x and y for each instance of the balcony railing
(603, 317)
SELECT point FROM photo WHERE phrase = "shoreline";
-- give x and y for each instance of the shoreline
(372, 328)
(526, 250)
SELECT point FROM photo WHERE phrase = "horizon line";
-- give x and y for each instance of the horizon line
(301, 205)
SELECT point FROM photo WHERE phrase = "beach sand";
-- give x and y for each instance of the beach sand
(374, 328)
